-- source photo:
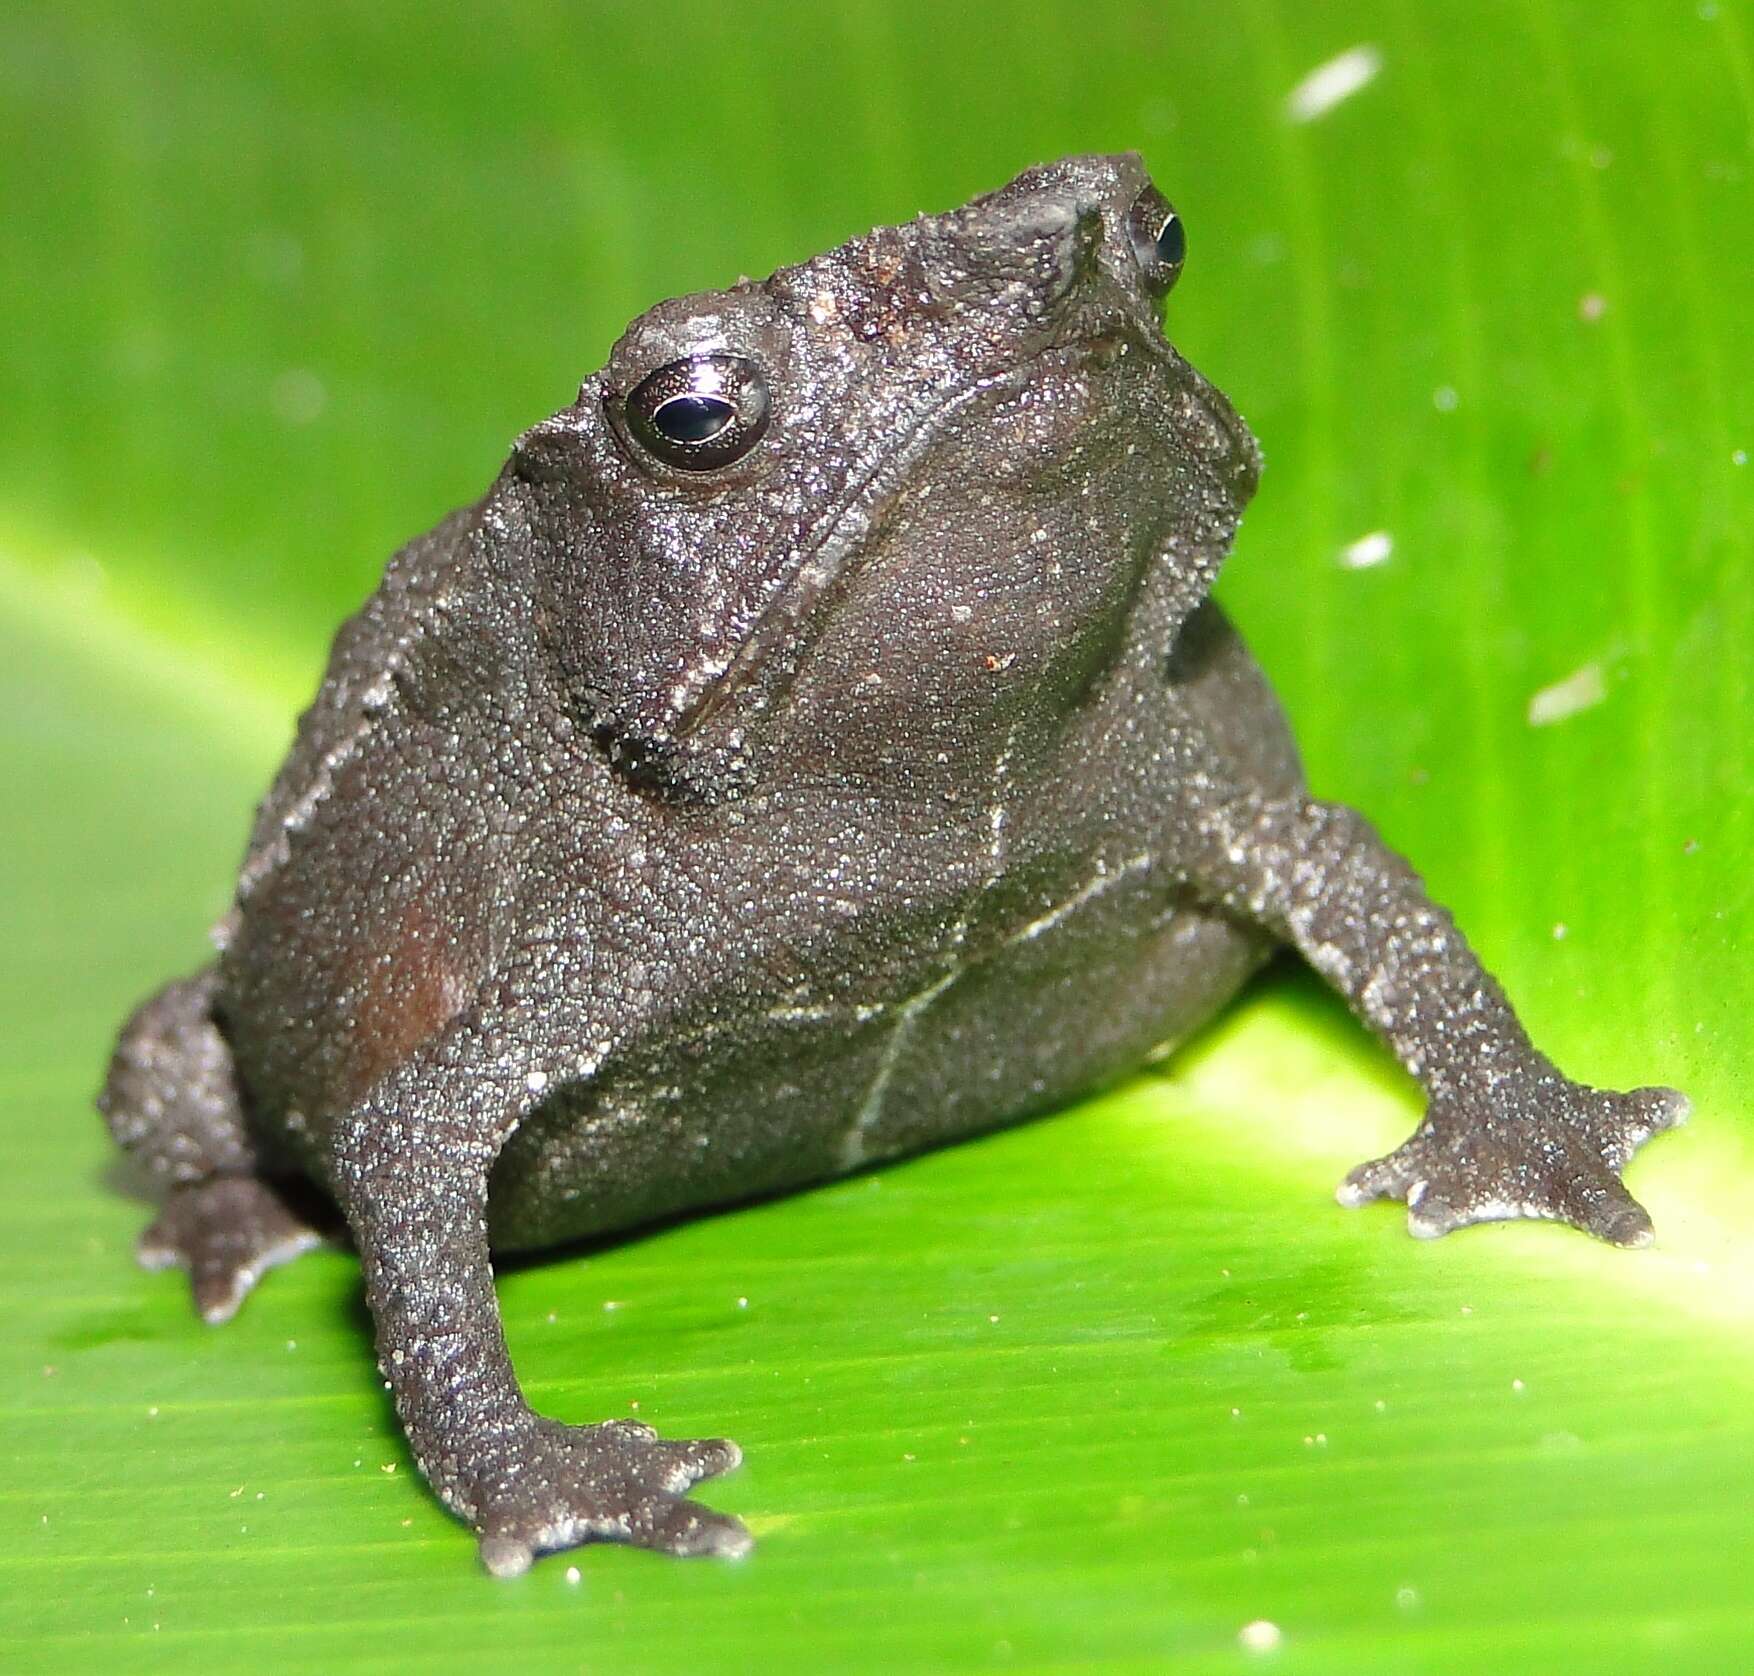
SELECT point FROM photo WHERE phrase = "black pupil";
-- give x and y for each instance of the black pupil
(693, 418)
(1171, 242)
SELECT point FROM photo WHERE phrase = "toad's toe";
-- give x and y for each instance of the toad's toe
(227, 1232)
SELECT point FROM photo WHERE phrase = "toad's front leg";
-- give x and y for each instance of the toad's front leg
(411, 1173)
(1505, 1134)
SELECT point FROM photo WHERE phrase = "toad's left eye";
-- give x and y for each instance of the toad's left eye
(1160, 242)
(700, 413)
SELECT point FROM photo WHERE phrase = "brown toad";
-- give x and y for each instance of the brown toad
(816, 745)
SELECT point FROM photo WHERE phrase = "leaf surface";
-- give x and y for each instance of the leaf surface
(1101, 1391)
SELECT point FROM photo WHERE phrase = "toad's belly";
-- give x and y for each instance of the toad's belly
(1071, 1000)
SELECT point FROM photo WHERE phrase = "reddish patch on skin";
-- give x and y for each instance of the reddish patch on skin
(404, 993)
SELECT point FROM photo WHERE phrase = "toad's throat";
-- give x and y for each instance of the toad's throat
(820, 565)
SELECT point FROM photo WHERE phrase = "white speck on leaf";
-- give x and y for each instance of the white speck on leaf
(1368, 550)
(1583, 689)
(1333, 82)
(1262, 1636)
(297, 397)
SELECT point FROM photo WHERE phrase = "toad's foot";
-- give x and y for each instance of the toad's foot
(227, 1231)
(1544, 1147)
(559, 1485)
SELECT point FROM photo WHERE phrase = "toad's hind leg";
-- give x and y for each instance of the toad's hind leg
(171, 1101)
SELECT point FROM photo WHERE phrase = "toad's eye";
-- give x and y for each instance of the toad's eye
(700, 413)
(1160, 242)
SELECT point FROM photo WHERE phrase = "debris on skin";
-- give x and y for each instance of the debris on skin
(1330, 84)
(1583, 689)
(1368, 550)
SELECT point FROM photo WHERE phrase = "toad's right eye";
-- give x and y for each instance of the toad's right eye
(1160, 242)
(700, 413)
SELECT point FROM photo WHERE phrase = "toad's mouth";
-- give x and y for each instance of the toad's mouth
(819, 566)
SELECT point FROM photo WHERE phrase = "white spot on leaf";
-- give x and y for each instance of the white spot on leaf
(1262, 1636)
(1329, 84)
(1583, 689)
(1368, 550)
(297, 397)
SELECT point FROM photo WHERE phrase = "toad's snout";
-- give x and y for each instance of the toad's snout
(1067, 233)
(1091, 235)
(1035, 247)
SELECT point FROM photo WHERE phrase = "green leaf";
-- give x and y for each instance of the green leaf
(282, 282)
